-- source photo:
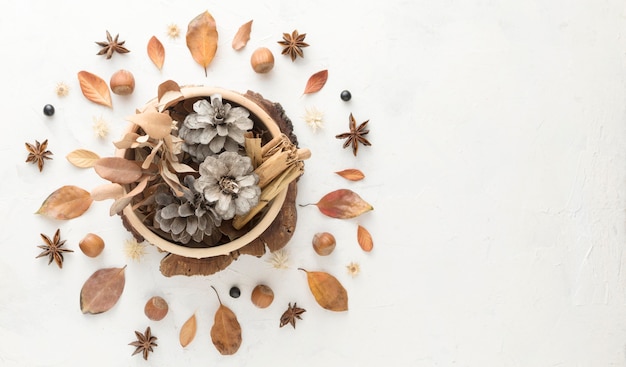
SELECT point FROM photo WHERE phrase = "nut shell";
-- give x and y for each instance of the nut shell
(91, 245)
(156, 308)
(323, 243)
(262, 60)
(122, 82)
(262, 296)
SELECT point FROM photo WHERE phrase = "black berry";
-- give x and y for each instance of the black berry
(48, 110)
(346, 95)
(235, 292)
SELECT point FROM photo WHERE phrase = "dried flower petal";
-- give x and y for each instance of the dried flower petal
(134, 250)
(314, 118)
(353, 269)
(100, 127)
(62, 89)
(173, 31)
(279, 259)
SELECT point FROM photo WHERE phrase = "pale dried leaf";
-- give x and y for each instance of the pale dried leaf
(65, 203)
(119, 205)
(102, 290)
(82, 158)
(129, 140)
(188, 331)
(242, 36)
(316, 82)
(107, 191)
(168, 94)
(95, 88)
(202, 39)
(156, 52)
(156, 124)
(118, 170)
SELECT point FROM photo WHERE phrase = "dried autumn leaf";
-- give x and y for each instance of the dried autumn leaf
(67, 202)
(327, 290)
(107, 191)
(82, 158)
(102, 290)
(202, 39)
(188, 331)
(351, 174)
(118, 170)
(364, 238)
(156, 124)
(168, 93)
(242, 36)
(316, 82)
(342, 204)
(95, 88)
(156, 52)
(226, 331)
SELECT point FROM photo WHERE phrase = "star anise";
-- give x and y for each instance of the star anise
(290, 316)
(144, 343)
(38, 153)
(355, 136)
(112, 45)
(293, 44)
(53, 248)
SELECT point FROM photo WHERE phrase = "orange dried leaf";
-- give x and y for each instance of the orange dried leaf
(351, 174)
(156, 124)
(226, 331)
(102, 290)
(327, 290)
(82, 158)
(316, 82)
(243, 36)
(364, 238)
(202, 39)
(188, 331)
(65, 203)
(156, 52)
(342, 204)
(118, 170)
(95, 88)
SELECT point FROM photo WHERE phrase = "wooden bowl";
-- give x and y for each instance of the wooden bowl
(259, 116)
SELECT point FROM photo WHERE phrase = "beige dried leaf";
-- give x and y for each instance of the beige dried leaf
(107, 191)
(129, 140)
(82, 158)
(188, 331)
(118, 170)
(242, 36)
(156, 52)
(156, 124)
(95, 88)
(65, 203)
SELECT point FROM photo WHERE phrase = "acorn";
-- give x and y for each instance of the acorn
(323, 243)
(91, 245)
(262, 60)
(122, 82)
(262, 296)
(156, 308)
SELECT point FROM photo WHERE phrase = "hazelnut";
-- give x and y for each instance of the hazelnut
(323, 243)
(91, 245)
(156, 308)
(262, 60)
(262, 296)
(122, 82)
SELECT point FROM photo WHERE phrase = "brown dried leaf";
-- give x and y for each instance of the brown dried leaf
(316, 82)
(327, 290)
(102, 290)
(226, 331)
(342, 204)
(243, 36)
(66, 203)
(118, 170)
(202, 39)
(156, 124)
(129, 140)
(364, 238)
(107, 191)
(82, 158)
(351, 174)
(95, 88)
(156, 52)
(168, 93)
(188, 331)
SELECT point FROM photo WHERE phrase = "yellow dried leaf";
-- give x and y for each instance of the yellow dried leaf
(327, 290)
(226, 331)
(202, 39)
(65, 203)
(188, 331)
(243, 36)
(82, 158)
(351, 174)
(364, 238)
(156, 52)
(102, 290)
(95, 88)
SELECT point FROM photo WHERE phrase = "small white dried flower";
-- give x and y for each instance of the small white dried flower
(314, 118)
(100, 127)
(134, 250)
(62, 89)
(173, 31)
(279, 259)
(353, 269)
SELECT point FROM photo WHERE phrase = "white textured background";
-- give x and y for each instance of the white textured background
(496, 173)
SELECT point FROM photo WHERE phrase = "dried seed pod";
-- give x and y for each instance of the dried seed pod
(323, 243)
(262, 60)
(262, 296)
(91, 245)
(156, 308)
